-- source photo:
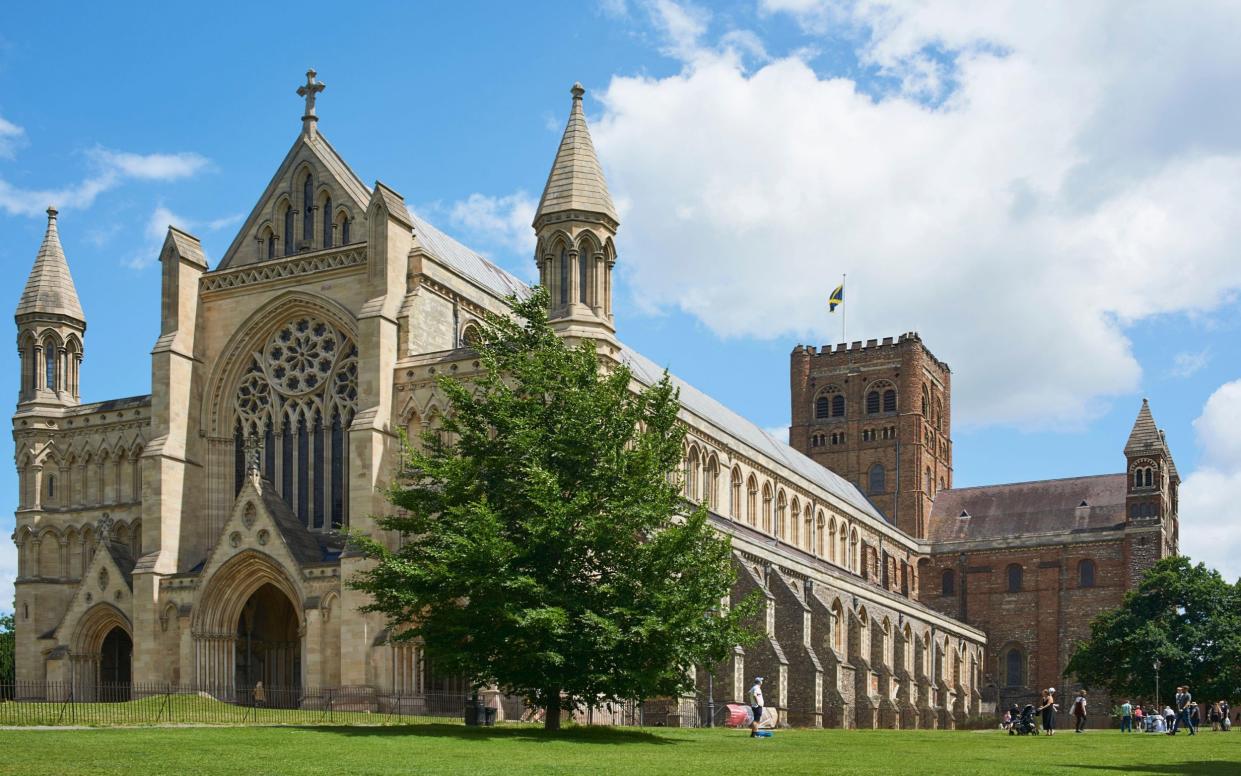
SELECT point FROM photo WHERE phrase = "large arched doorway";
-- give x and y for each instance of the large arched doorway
(115, 665)
(268, 647)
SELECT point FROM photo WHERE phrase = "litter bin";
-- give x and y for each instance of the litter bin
(489, 715)
(473, 712)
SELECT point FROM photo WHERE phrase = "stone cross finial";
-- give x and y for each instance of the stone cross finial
(309, 91)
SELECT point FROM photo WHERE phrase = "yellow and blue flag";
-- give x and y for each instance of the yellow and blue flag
(836, 299)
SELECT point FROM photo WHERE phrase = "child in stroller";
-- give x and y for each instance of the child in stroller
(1024, 725)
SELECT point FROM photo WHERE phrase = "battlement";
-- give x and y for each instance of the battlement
(871, 347)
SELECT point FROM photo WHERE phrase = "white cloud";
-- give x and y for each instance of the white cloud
(11, 136)
(1032, 180)
(8, 573)
(157, 229)
(1188, 363)
(1210, 511)
(111, 169)
(501, 221)
(150, 167)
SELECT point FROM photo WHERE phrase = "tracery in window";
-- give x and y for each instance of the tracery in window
(298, 398)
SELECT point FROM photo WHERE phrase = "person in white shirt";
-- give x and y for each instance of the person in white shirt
(755, 698)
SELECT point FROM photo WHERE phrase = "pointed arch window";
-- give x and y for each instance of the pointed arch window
(288, 230)
(564, 275)
(305, 374)
(49, 365)
(308, 209)
(344, 229)
(327, 222)
(583, 272)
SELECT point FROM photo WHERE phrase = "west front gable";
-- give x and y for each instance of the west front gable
(314, 201)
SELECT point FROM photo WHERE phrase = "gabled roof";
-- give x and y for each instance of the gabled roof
(476, 267)
(301, 542)
(1028, 508)
(318, 145)
(49, 288)
(1145, 437)
(465, 261)
(576, 179)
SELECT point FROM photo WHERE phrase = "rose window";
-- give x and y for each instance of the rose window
(301, 354)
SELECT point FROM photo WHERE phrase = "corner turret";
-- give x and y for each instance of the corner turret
(50, 328)
(576, 224)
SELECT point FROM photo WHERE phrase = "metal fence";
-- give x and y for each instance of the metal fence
(50, 703)
(56, 704)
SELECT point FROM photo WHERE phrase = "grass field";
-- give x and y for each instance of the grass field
(448, 749)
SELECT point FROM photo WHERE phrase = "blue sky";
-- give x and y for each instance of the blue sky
(1055, 211)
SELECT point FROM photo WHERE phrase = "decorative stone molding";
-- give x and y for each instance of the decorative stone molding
(282, 269)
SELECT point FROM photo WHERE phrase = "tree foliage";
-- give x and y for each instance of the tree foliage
(547, 547)
(1186, 617)
(8, 666)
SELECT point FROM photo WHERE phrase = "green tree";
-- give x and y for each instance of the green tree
(8, 666)
(548, 549)
(1186, 617)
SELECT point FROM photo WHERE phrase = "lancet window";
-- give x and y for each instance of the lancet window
(296, 401)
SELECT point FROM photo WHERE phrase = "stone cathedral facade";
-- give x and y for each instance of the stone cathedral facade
(192, 536)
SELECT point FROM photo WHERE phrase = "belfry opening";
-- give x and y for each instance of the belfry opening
(268, 647)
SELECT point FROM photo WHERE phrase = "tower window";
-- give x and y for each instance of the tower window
(872, 402)
(564, 276)
(877, 479)
(1085, 573)
(889, 401)
(49, 363)
(822, 407)
(838, 406)
(583, 265)
(1015, 574)
(948, 583)
(880, 397)
(1014, 668)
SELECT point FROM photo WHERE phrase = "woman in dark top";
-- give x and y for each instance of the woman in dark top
(1048, 709)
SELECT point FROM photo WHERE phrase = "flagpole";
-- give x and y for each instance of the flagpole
(843, 338)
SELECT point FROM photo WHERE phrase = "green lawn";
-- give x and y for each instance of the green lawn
(434, 749)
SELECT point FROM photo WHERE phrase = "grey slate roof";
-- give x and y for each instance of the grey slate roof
(300, 541)
(123, 557)
(576, 179)
(49, 288)
(464, 260)
(648, 372)
(476, 267)
(1028, 508)
(394, 202)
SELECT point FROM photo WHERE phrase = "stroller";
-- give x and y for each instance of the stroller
(1024, 725)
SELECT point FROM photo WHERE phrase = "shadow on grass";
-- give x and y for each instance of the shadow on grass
(1199, 768)
(571, 734)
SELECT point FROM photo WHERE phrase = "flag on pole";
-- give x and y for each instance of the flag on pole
(836, 299)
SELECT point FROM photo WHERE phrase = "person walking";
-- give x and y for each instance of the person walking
(1079, 711)
(1225, 710)
(1213, 716)
(1126, 717)
(1183, 700)
(755, 698)
(1048, 711)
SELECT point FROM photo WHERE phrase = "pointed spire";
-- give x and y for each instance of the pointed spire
(49, 289)
(576, 181)
(1145, 437)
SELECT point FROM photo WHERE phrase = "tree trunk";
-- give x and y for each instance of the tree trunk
(551, 712)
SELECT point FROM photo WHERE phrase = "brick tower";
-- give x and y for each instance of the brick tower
(878, 415)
